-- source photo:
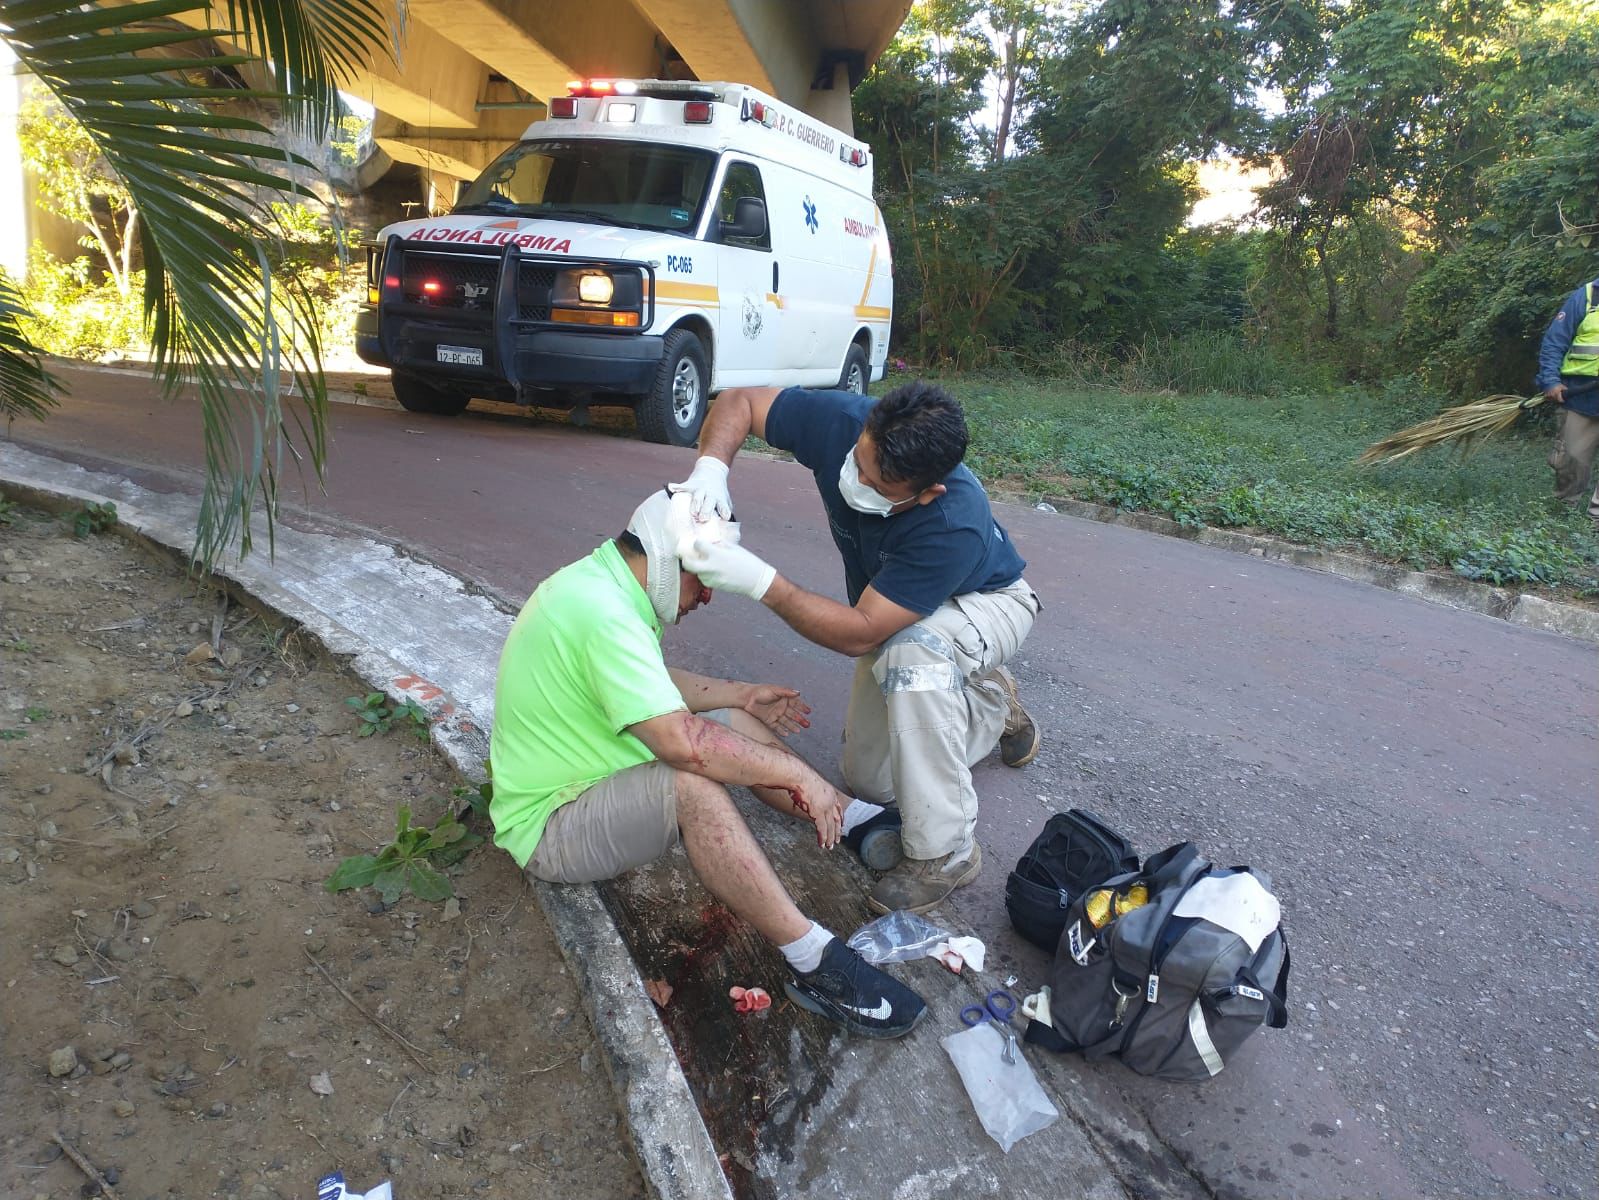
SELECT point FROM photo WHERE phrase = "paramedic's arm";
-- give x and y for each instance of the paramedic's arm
(725, 567)
(737, 413)
(851, 631)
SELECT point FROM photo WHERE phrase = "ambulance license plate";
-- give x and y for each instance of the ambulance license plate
(466, 356)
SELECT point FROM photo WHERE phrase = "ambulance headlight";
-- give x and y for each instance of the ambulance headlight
(612, 297)
(595, 289)
(598, 287)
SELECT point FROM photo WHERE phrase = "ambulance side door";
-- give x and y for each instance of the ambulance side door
(749, 325)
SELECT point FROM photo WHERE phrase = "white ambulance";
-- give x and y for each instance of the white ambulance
(649, 243)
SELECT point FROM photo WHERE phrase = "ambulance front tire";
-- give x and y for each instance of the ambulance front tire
(857, 372)
(672, 411)
(418, 396)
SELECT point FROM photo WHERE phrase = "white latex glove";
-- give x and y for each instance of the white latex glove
(726, 567)
(707, 483)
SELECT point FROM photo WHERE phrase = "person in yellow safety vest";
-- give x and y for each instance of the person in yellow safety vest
(1568, 373)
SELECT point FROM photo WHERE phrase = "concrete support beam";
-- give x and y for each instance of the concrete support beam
(435, 84)
(766, 43)
(539, 46)
(459, 158)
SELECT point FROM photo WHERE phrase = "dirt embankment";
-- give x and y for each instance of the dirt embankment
(167, 819)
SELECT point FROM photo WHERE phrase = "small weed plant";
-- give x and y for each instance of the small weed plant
(377, 715)
(94, 517)
(415, 861)
(12, 735)
(8, 511)
(477, 799)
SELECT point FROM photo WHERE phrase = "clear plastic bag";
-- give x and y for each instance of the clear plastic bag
(897, 937)
(1008, 1099)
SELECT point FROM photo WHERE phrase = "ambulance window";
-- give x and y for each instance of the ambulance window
(742, 179)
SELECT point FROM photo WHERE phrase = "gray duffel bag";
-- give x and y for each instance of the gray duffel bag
(1168, 969)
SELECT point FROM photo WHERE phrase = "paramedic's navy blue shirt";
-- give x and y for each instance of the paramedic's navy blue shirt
(919, 558)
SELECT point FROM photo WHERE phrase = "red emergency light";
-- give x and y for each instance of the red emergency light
(564, 107)
(855, 158)
(754, 110)
(602, 87)
(432, 287)
(696, 112)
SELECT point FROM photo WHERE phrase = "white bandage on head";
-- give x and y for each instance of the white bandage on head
(660, 523)
(664, 524)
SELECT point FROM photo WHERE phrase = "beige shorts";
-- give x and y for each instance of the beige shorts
(624, 821)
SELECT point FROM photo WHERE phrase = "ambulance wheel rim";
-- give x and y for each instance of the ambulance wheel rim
(685, 392)
(855, 381)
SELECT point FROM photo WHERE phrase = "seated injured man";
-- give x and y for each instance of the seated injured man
(605, 758)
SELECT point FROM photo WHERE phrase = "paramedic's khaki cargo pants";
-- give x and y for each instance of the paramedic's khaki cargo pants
(921, 715)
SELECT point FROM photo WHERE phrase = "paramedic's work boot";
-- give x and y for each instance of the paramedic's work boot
(920, 884)
(1019, 744)
(848, 989)
(876, 841)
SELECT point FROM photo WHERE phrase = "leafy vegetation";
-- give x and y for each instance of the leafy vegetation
(196, 158)
(1283, 464)
(97, 516)
(377, 715)
(1435, 192)
(415, 861)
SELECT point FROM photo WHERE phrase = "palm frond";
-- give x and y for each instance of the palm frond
(1465, 427)
(203, 177)
(312, 46)
(26, 388)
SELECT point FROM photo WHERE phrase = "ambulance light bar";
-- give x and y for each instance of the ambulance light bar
(854, 157)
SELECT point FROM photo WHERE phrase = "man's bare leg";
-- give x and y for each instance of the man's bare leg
(729, 861)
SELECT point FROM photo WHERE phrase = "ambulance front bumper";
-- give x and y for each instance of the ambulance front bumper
(539, 358)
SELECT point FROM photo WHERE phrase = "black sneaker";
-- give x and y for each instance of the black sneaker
(876, 841)
(848, 989)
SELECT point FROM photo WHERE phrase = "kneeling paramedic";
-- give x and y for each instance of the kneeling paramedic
(604, 758)
(937, 606)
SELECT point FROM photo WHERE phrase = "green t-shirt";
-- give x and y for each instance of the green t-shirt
(582, 663)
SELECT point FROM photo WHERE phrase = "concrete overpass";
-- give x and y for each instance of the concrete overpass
(473, 73)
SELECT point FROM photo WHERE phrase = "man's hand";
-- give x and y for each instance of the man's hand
(707, 483)
(823, 804)
(780, 709)
(1556, 393)
(723, 567)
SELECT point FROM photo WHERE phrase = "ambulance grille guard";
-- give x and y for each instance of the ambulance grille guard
(496, 295)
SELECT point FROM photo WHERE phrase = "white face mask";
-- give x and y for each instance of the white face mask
(857, 495)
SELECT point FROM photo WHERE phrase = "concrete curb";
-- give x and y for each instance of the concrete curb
(316, 583)
(1451, 591)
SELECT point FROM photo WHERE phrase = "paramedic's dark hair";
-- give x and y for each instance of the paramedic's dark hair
(629, 544)
(920, 434)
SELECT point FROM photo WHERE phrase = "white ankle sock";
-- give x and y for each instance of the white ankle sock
(804, 953)
(858, 811)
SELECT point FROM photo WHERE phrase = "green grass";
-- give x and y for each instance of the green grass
(1284, 464)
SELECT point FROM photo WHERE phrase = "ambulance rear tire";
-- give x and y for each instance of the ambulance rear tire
(673, 410)
(857, 372)
(418, 396)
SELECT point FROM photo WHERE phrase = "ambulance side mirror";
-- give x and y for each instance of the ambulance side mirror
(749, 220)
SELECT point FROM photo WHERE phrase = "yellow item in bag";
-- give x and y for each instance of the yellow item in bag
(1134, 897)
(1097, 907)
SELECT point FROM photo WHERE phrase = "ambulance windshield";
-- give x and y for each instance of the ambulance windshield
(638, 184)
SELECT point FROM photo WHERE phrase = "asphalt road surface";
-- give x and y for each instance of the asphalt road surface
(1420, 783)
